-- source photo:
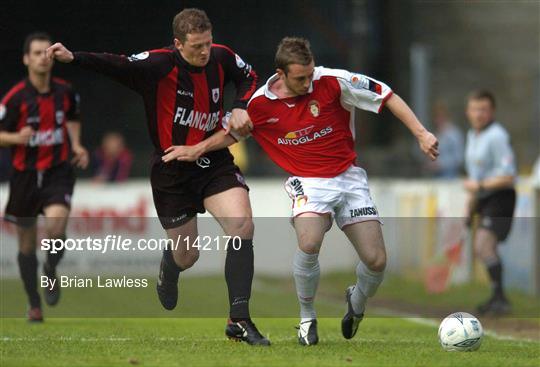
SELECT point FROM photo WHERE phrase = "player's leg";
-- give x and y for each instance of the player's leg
(176, 259)
(232, 210)
(56, 218)
(28, 266)
(310, 229)
(495, 222)
(367, 239)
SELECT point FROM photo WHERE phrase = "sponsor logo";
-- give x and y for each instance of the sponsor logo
(299, 133)
(362, 212)
(138, 57)
(362, 82)
(185, 93)
(46, 138)
(295, 187)
(177, 219)
(195, 119)
(239, 62)
(59, 117)
(3, 111)
(272, 120)
(203, 162)
(314, 108)
(215, 95)
(303, 136)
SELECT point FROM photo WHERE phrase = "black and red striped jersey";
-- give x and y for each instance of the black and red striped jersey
(47, 113)
(184, 103)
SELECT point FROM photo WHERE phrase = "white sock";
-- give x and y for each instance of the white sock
(306, 277)
(367, 283)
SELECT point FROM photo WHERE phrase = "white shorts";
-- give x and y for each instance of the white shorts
(346, 197)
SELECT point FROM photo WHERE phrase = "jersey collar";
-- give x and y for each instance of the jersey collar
(270, 95)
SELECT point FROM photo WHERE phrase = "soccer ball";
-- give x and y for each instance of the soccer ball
(461, 332)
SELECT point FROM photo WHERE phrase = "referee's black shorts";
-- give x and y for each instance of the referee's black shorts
(497, 211)
(30, 191)
(179, 188)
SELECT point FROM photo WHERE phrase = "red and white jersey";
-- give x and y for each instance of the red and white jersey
(313, 135)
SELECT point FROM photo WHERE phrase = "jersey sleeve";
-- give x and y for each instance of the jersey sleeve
(9, 113)
(135, 71)
(503, 155)
(363, 92)
(74, 110)
(240, 73)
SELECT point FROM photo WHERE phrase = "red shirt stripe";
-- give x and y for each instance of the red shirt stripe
(201, 105)
(165, 104)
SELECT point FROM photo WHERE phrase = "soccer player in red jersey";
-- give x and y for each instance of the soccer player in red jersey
(39, 119)
(304, 119)
(182, 87)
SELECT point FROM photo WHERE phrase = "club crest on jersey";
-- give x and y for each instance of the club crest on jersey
(138, 57)
(215, 95)
(314, 108)
(59, 117)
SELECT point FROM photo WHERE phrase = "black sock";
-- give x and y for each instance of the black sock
(171, 271)
(52, 261)
(239, 275)
(28, 268)
(495, 273)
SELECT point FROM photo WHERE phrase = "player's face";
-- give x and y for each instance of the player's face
(298, 78)
(479, 112)
(36, 60)
(196, 49)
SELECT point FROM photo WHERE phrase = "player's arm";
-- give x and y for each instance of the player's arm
(9, 115)
(191, 153)
(73, 125)
(427, 141)
(129, 71)
(245, 79)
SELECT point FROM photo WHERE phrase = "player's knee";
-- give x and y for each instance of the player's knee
(309, 247)
(27, 248)
(378, 262)
(242, 227)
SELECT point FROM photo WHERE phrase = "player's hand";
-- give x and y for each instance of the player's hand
(186, 153)
(240, 122)
(471, 186)
(59, 52)
(80, 156)
(24, 135)
(429, 145)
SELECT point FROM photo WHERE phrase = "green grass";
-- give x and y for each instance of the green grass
(125, 327)
(200, 342)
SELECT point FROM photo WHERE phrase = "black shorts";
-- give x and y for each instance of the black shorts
(497, 211)
(30, 191)
(179, 188)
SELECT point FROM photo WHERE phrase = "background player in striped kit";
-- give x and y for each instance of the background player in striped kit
(182, 87)
(39, 119)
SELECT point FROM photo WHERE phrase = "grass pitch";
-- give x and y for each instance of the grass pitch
(92, 327)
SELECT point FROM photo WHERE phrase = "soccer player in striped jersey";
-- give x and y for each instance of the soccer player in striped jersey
(182, 87)
(39, 119)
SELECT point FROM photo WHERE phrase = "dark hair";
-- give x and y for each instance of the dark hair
(293, 50)
(190, 20)
(36, 36)
(482, 94)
